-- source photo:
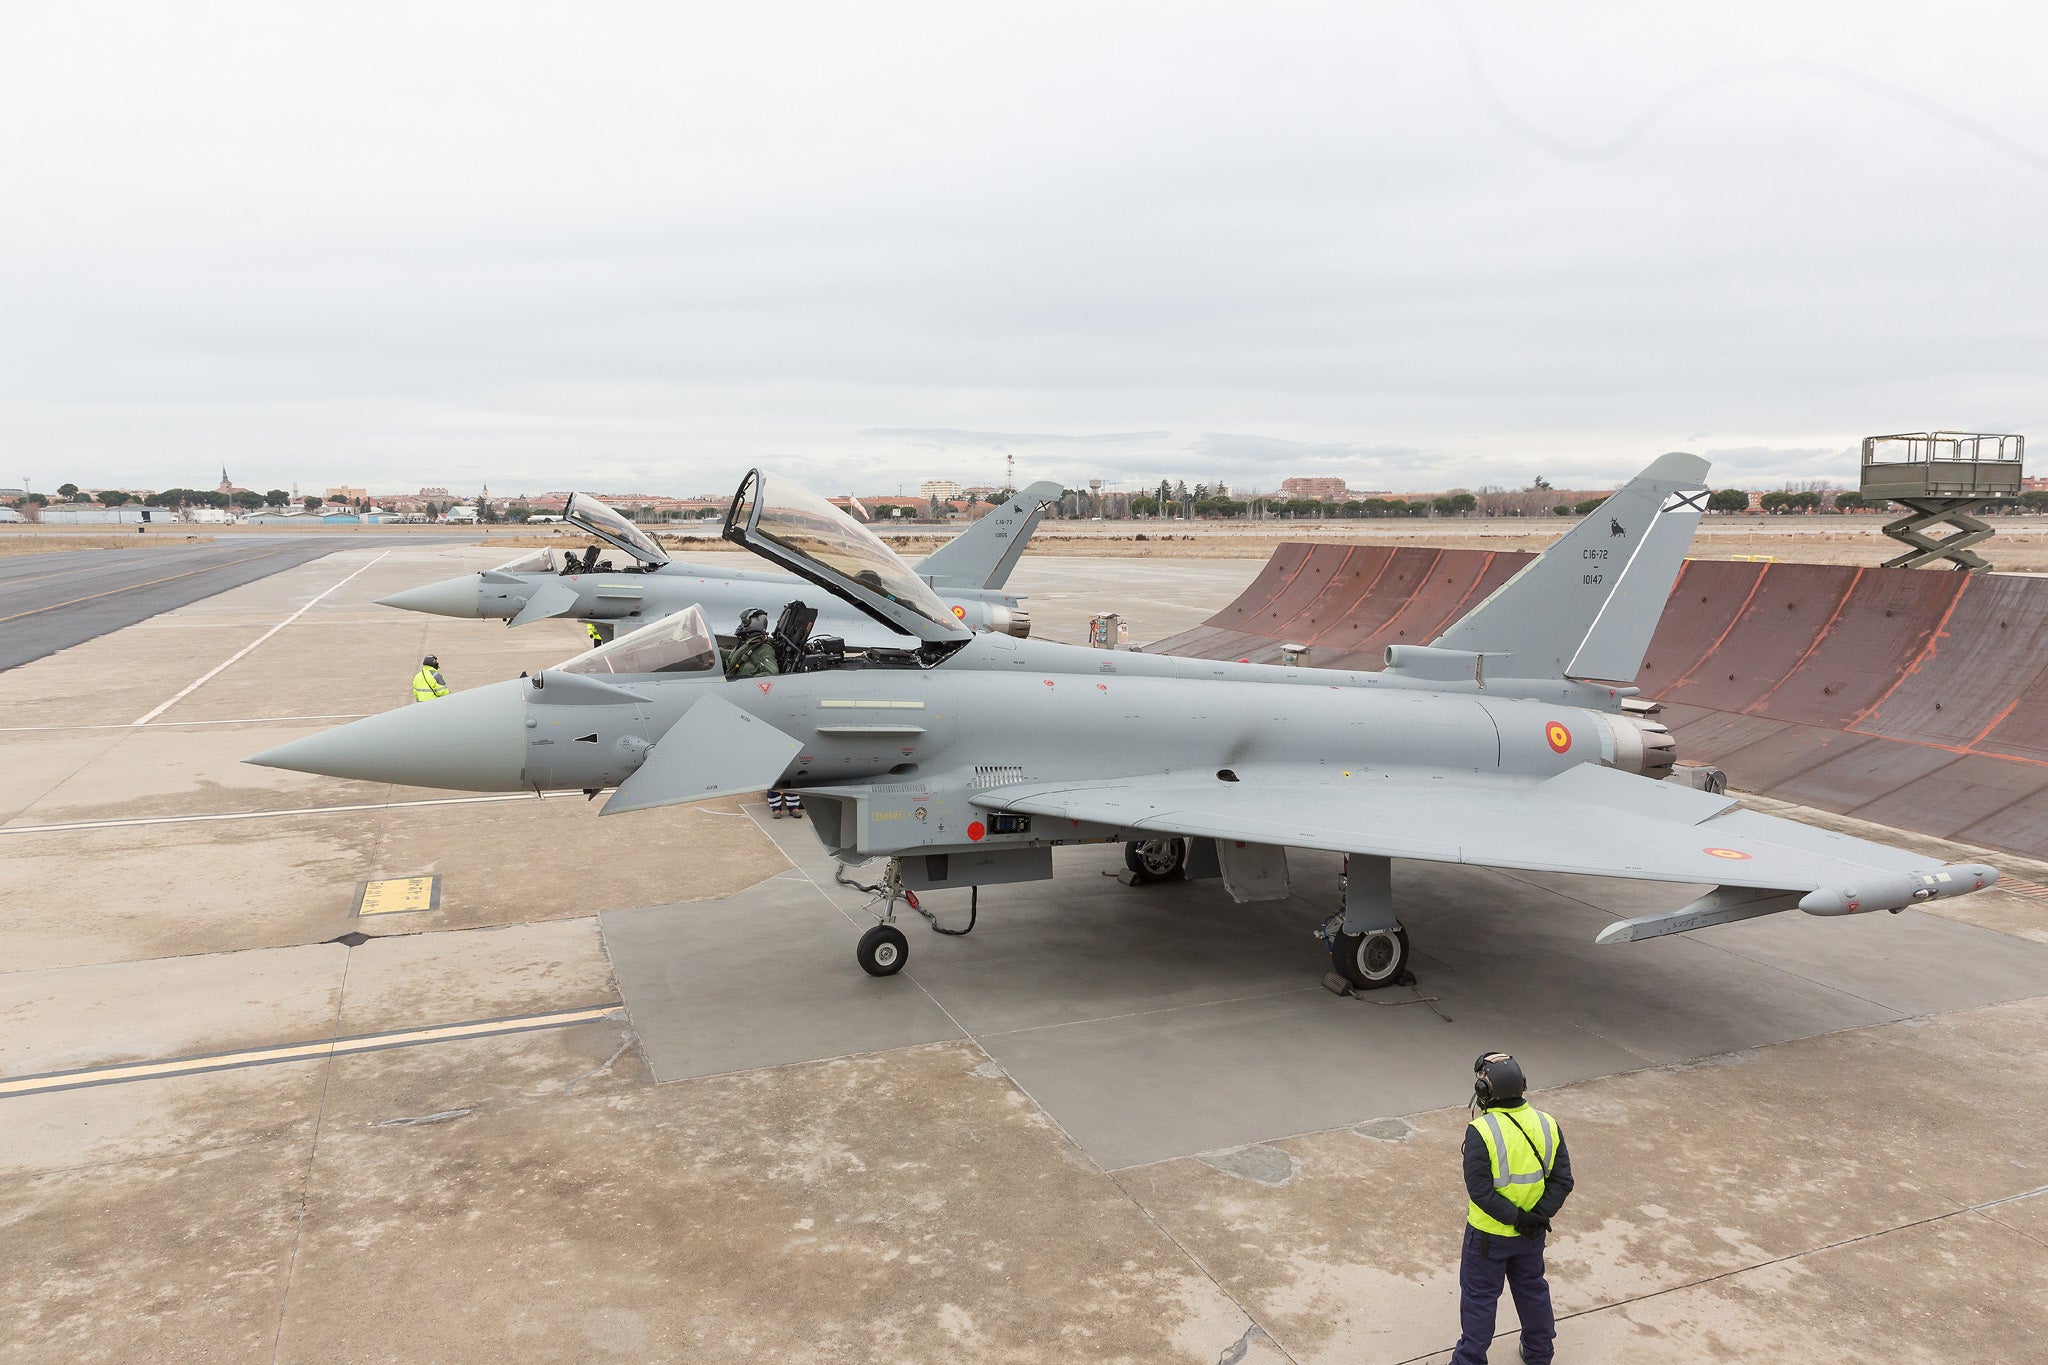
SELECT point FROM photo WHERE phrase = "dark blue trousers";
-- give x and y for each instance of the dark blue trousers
(1487, 1261)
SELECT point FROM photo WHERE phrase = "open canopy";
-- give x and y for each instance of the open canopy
(607, 525)
(794, 527)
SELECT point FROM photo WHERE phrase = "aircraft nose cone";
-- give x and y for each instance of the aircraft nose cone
(450, 597)
(470, 741)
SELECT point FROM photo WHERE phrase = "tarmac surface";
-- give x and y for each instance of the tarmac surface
(52, 601)
(620, 1092)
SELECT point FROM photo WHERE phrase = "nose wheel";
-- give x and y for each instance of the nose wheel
(882, 950)
(1371, 960)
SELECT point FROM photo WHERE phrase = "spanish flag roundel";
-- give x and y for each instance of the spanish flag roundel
(1559, 737)
(1732, 854)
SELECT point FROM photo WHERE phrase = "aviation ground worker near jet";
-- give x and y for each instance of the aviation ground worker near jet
(428, 683)
(964, 759)
(1517, 1176)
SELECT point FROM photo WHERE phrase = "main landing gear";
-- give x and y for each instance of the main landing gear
(1155, 860)
(1372, 960)
(1368, 945)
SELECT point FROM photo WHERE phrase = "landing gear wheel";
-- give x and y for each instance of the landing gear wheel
(882, 951)
(1155, 860)
(1372, 960)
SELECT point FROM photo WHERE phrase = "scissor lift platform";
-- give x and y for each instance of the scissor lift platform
(1941, 475)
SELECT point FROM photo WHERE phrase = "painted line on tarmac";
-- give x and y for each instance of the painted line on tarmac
(143, 821)
(131, 587)
(221, 668)
(165, 725)
(84, 1077)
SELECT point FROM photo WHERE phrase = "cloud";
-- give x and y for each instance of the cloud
(650, 246)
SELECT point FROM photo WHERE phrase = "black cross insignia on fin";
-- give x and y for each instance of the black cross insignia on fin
(1696, 500)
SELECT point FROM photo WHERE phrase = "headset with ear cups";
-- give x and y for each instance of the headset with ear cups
(1497, 1079)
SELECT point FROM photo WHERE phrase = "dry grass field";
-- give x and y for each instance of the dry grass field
(36, 540)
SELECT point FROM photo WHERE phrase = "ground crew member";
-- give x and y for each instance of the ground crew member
(596, 635)
(428, 683)
(1517, 1175)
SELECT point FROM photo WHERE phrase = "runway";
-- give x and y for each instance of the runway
(53, 601)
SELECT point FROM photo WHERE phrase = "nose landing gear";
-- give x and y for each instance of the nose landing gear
(882, 950)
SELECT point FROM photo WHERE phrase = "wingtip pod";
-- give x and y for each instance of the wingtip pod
(1899, 890)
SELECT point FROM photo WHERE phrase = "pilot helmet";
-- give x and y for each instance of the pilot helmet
(754, 622)
(1497, 1080)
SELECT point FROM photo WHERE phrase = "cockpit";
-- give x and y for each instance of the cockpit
(587, 513)
(681, 643)
(536, 561)
(807, 535)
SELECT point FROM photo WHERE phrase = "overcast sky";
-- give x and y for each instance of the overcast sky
(645, 246)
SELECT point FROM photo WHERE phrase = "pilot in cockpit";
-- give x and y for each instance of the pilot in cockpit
(753, 651)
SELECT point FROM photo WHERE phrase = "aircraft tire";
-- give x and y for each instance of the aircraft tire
(882, 950)
(1371, 961)
(1156, 860)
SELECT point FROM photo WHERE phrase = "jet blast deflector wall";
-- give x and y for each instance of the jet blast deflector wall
(1916, 700)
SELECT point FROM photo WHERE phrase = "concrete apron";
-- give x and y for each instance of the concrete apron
(1111, 1123)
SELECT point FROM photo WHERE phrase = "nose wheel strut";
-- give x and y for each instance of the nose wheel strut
(883, 949)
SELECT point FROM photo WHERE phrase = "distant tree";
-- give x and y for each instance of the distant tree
(1180, 490)
(1850, 502)
(32, 500)
(1777, 502)
(1728, 500)
(487, 514)
(1540, 483)
(114, 497)
(1454, 504)
(1144, 505)
(1560, 511)
(67, 490)
(312, 503)
(518, 511)
(277, 497)
(247, 501)
(2035, 500)
(1588, 505)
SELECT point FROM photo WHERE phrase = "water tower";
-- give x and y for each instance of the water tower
(1941, 475)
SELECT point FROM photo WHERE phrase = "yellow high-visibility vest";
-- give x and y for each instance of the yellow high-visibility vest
(1520, 1159)
(428, 684)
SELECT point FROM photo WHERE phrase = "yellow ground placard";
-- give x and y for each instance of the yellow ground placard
(399, 896)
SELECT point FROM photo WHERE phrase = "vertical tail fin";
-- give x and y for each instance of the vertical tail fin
(983, 555)
(1587, 606)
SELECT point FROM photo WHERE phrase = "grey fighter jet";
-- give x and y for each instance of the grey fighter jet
(968, 572)
(965, 759)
